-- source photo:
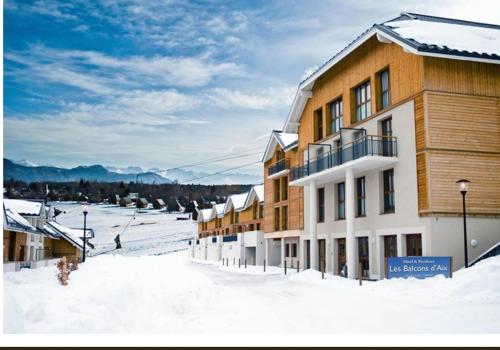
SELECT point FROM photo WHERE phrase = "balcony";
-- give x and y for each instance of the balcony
(279, 167)
(377, 150)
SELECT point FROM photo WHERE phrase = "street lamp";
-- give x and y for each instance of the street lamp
(85, 210)
(463, 187)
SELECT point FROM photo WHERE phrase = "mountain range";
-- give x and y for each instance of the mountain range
(32, 172)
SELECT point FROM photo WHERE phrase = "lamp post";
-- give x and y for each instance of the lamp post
(85, 210)
(463, 187)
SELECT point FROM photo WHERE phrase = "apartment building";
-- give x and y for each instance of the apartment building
(383, 131)
(233, 230)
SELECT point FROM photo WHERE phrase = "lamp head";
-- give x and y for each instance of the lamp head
(85, 208)
(463, 185)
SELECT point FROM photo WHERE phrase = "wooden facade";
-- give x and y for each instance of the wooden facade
(457, 120)
(287, 211)
(57, 248)
(14, 245)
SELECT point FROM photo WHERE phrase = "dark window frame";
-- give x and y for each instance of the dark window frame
(321, 205)
(336, 108)
(318, 124)
(384, 78)
(362, 101)
(389, 192)
(340, 201)
(361, 197)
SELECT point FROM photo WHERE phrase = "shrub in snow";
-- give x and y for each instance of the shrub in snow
(63, 271)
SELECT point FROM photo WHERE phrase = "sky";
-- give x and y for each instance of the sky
(167, 83)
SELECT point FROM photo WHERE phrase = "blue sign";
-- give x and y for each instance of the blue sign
(418, 266)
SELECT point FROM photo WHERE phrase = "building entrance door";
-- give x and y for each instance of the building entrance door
(363, 255)
(390, 249)
(341, 257)
(322, 254)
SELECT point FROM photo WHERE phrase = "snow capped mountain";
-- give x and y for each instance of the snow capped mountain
(29, 163)
(126, 170)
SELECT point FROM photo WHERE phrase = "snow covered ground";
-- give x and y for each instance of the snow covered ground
(142, 232)
(173, 294)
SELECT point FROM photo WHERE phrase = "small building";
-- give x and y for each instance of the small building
(63, 241)
(126, 202)
(142, 203)
(192, 207)
(158, 203)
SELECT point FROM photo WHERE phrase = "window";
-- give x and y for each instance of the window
(261, 211)
(389, 191)
(361, 196)
(336, 113)
(294, 250)
(284, 218)
(318, 124)
(321, 205)
(414, 245)
(384, 98)
(276, 219)
(287, 250)
(386, 126)
(276, 190)
(284, 188)
(255, 209)
(363, 101)
(237, 217)
(232, 216)
(341, 201)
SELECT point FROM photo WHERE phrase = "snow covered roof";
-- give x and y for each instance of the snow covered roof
(236, 201)
(285, 140)
(204, 215)
(255, 192)
(417, 34)
(446, 36)
(15, 222)
(218, 209)
(23, 207)
(70, 235)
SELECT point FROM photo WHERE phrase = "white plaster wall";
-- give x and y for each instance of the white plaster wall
(254, 239)
(200, 250)
(273, 252)
(214, 249)
(233, 250)
(447, 237)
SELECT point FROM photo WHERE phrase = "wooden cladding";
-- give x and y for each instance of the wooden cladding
(445, 168)
(363, 64)
(461, 122)
(420, 133)
(423, 190)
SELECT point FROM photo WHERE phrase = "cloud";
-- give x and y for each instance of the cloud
(269, 98)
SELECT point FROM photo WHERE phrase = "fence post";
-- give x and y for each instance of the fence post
(227, 262)
(245, 263)
(285, 267)
(385, 268)
(322, 270)
(264, 265)
(234, 261)
(239, 262)
(298, 266)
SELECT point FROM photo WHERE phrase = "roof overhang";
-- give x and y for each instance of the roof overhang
(274, 140)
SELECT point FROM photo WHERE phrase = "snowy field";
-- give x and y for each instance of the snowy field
(173, 294)
(142, 231)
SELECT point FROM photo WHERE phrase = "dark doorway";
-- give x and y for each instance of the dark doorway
(12, 246)
(341, 257)
(390, 249)
(322, 254)
(363, 255)
(414, 245)
(308, 254)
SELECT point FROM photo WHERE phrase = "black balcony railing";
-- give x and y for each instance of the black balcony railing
(279, 166)
(385, 146)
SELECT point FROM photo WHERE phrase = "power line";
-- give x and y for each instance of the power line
(215, 160)
(222, 171)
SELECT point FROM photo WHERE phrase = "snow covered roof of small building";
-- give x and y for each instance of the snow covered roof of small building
(255, 192)
(204, 215)
(73, 236)
(285, 140)
(24, 207)
(419, 35)
(236, 201)
(15, 222)
(217, 210)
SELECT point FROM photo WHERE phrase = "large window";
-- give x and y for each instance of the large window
(284, 188)
(318, 124)
(294, 250)
(276, 219)
(386, 126)
(276, 190)
(414, 245)
(341, 201)
(361, 196)
(284, 218)
(336, 113)
(384, 88)
(389, 205)
(321, 205)
(261, 211)
(363, 101)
